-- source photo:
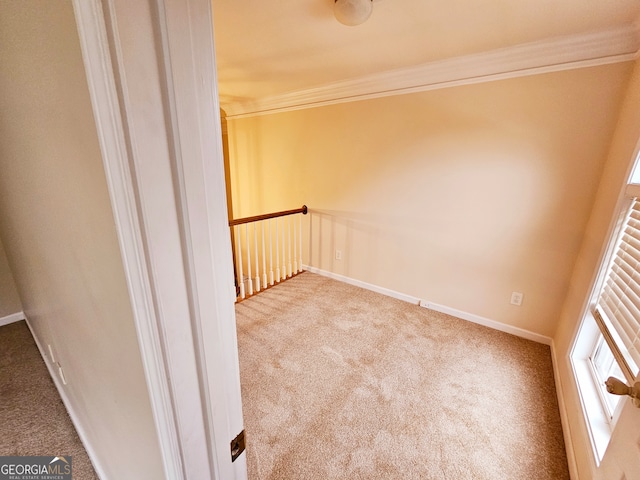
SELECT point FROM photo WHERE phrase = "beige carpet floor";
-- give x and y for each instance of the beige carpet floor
(33, 419)
(343, 383)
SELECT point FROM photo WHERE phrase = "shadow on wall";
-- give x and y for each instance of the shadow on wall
(465, 237)
(338, 241)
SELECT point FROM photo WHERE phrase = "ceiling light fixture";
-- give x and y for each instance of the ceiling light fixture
(352, 12)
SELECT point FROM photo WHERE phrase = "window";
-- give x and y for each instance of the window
(608, 343)
(617, 310)
(604, 365)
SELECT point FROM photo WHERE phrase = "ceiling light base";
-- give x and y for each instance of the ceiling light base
(352, 12)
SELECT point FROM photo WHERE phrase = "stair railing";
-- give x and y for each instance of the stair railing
(259, 240)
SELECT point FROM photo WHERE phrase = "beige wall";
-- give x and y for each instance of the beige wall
(58, 230)
(9, 300)
(619, 162)
(456, 196)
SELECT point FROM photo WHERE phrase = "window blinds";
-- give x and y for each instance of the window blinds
(618, 305)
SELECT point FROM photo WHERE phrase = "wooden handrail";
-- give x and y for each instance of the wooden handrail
(266, 216)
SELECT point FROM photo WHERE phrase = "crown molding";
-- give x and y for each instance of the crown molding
(552, 55)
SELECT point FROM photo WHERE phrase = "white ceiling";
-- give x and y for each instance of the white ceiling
(267, 49)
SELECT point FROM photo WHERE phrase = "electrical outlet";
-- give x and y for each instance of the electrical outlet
(338, 254)
(51, 355)
(516, 298)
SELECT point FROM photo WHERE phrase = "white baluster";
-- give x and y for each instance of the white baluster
(284, 252)
(255, 245)
(246, 236)
(295, 246)
(290, 270)
(300, 241)
(270, 256)
(277, 253)
(238, 234)
(264, 259)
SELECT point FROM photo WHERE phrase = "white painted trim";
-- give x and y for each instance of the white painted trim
(84, 438)
(503, 327)
(564, 418)
(365, 285)
(113, 145)
(198, 165)
(519, 332)
(14, 317)
(157, 115)
(551, 55)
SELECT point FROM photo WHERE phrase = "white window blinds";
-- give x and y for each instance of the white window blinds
(618, 305)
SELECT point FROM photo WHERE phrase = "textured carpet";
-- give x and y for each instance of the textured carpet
(343, 383)
(33, 418)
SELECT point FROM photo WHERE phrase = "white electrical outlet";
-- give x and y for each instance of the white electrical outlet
(338, 254)
(516, 298)
(53, 358)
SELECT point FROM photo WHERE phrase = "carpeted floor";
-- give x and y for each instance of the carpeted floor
(343, 383)
(33, 418)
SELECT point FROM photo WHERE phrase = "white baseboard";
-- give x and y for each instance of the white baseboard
(564, 418)
(365, 285)
(67, 403)
(14, 317)
(487, 322)
(519, 332)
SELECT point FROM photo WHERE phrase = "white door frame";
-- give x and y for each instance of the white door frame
(150, 68)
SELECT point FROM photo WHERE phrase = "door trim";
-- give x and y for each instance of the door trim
(170, 214)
